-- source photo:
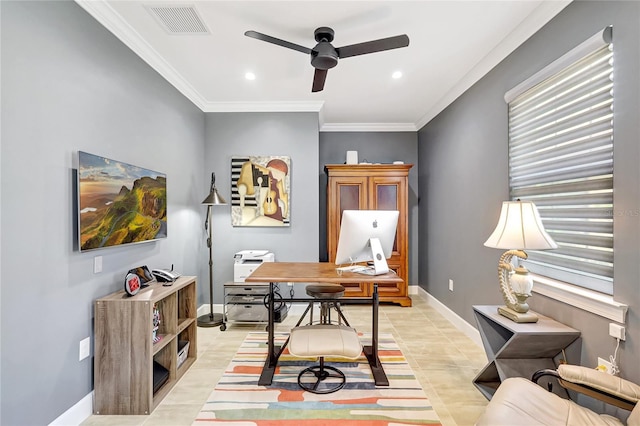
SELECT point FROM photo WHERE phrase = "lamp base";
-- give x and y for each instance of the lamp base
(517, 316)
(210, 320)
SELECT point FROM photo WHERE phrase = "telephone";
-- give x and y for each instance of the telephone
(165, 276)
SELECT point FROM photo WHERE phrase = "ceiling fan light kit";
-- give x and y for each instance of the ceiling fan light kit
(324, 56)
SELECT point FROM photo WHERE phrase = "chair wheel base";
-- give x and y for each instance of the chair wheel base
(320, 373)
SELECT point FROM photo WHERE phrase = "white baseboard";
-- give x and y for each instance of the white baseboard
(76, 414)
(84, 408)
(454, 318)
(204, 309)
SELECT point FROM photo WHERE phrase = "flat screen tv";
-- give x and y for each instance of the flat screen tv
(119, 203)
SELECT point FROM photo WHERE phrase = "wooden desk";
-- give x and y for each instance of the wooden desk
(323, 272)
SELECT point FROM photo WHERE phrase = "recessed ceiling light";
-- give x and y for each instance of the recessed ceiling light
(250, 76)
(396, 74)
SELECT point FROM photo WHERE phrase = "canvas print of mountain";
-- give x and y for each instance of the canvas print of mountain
(119, 203)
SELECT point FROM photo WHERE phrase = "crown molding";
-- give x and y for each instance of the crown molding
(528, 27)
(368, 127)
(112, 21)
(278, 106)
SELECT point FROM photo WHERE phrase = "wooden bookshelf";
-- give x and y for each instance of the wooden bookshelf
(125, 348)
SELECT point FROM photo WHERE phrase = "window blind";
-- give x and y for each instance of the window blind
(561, 158)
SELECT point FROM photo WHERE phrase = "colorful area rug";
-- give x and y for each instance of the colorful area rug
(237, 400)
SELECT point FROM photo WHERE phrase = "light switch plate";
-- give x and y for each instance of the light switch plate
(85, 348)
(97, 264)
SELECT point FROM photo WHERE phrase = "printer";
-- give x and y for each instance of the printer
(246, 302)
(246, 261)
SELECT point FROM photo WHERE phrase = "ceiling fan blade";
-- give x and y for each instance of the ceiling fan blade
(373, 46)
(318, 80)
(283, 43)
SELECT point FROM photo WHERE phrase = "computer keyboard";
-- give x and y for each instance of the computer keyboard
(366, 270)
(352, 268)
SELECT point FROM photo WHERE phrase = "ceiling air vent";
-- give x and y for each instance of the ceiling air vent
(178, 19)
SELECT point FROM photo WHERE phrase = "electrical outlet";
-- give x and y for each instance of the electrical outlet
(290, 284)
(450, 285)
(617, 331)
(604, 366)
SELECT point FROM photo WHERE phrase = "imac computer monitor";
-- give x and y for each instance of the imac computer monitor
(367, 235)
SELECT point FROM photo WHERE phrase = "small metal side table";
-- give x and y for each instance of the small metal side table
(244, 303)
(520, 349)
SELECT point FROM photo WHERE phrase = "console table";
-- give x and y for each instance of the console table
(520, 349)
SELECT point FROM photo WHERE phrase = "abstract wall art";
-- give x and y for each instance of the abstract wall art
(261, 191)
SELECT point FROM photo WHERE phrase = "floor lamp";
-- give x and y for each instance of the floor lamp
(213, 199)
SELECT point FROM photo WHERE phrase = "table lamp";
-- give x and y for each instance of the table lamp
(519, 228)
(213, 199)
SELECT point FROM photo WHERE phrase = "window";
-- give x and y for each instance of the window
(561, 158)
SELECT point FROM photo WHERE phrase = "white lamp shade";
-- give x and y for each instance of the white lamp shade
(520, 228)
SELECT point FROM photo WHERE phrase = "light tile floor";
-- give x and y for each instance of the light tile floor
(442, 357)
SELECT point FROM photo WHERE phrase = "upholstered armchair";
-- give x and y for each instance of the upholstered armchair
(520, 402)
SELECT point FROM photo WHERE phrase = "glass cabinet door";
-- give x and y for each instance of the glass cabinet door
(346, 193)
(388, 195)
(352, 194)
(371, 187)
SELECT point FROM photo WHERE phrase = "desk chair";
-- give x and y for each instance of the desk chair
(326, 294)
(321, 340)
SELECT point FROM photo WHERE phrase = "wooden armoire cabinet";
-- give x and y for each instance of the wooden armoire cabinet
(371, 187)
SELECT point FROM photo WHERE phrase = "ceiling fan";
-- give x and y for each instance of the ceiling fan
(324, 56)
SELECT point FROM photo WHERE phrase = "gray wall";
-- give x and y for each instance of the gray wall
(464, 179)
(67, 85)
(384, 147)
(239, 134)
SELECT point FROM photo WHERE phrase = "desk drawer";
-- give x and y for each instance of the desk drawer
(246, 289)
(257, 313)
(246, 299)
